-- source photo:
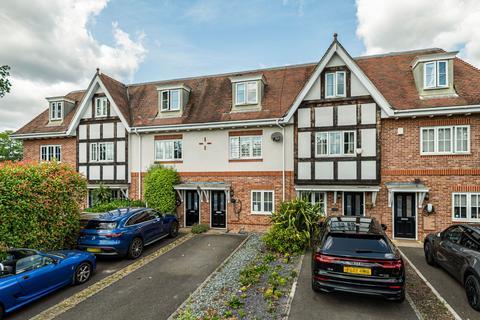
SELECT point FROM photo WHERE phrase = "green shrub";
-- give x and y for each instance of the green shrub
(200, 228)
(103, 194)
(294, 226)
(115, 204)
(159, 192)
(40, 204)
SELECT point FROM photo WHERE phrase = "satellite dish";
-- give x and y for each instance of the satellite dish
(277, 137)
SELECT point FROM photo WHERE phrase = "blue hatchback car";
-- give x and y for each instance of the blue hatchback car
(27, 275)
(125, 231)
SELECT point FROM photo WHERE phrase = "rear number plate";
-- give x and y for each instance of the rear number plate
(356, 270)
(94, 250)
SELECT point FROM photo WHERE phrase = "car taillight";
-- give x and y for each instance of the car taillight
(113, 235)
(395, 264)
(324, 258)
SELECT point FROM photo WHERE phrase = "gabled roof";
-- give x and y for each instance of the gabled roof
(119, 93)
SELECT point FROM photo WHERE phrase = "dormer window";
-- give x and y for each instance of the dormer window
(170, 100)
(436, 74)
(101, 107)
(335, 84)
(247, 93)
(56, 111)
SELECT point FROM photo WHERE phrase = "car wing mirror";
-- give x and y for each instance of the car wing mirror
(384, 227)
(1, 268)
(440, 235)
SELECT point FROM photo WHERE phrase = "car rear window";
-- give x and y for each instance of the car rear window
(98, 225)
(354, 246)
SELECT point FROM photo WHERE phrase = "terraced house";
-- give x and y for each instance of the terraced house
(393, 136)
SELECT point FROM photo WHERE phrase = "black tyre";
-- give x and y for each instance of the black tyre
(173, 230)
(83, 273)
(315, 287)
(429, 257)
(401, 298)
(2, 312)
(136, 248)
(472, 289)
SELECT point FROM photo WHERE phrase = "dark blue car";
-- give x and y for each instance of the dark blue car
(26, 274)
(125, 232)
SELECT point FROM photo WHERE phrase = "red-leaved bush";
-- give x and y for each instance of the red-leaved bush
(40, 204)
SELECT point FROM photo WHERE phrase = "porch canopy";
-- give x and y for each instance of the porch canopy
(203, 189)
(339, 188)
(419, 189)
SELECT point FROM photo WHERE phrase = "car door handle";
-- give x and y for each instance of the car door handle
(25, 277)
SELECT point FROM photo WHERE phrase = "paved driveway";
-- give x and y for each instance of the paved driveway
(105, 267)
(451, 290)
(156, 290)
(308, 304)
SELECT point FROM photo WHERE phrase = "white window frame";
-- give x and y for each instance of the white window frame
(101, 107)
(245, 93)
(172, 158)
(56, 109)
(240, 157)
(469, 207)
(453, 130)
(50, 157)
(436, 74)
(342, 144)
(311, 195)
(262, 202)
(96, 146)
(335, 84)
(169, 106)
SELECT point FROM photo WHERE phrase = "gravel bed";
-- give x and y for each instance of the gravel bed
(210, 301)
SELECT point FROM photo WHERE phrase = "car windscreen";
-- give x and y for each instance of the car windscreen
(371, 247)
(98, 225)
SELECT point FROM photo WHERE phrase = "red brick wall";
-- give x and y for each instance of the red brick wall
(31, 149)
(242, 184)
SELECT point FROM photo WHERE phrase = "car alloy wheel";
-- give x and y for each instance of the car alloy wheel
(136, 248)
(174, 230)
(429, 254)
(472, 288)
(83, 273)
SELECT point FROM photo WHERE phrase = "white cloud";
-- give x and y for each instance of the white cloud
(51, 51)
(387, 25)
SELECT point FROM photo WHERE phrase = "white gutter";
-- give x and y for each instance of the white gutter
(283, 158)
(437, 111)
(21, 136)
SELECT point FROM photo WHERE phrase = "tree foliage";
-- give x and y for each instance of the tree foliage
(40, 204)
(10, 149)
(115, 204)
(159, 192)
(4, 82)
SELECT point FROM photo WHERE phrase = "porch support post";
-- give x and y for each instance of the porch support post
(334, 197)
(390, 199)
(180, 194)
(374, 197)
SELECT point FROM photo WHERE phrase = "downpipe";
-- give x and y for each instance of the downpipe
(283, 157)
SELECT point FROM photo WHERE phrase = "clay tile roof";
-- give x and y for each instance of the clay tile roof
(119, 94)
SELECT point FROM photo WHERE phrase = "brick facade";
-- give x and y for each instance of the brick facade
(31, 149)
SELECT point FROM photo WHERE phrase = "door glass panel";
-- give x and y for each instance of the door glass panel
(409, 207)
(348, 206)
(358, 204)
(399, 207)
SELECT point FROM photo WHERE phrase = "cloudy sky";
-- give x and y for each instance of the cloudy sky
(54, 46)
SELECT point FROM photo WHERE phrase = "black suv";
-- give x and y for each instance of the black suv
(353, 254)
(457, 250)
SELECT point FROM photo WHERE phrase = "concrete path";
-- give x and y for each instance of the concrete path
(157, 289)
(105, 267)
(450, 289)
(308, 304)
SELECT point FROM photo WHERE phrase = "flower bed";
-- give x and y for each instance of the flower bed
(253, 284)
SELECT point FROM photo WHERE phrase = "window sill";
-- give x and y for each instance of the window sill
(261, 213)
(446, 154)
(168, 161)
(245, 160)
(435, 88)
(465, 220)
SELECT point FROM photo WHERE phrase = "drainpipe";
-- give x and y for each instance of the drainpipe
(139, 164)
(283, 158)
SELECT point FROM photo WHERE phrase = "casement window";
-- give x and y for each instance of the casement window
(168, 150)
(435, 74)
(335, 84)
(51, 152)
(262, 201)
(315, 197)
(102, 151)
(335, 143)
(101, 107)
(56, 111)
(246, 147)
(445, 140)
(466, 206)
(170, 100)
(246, 93)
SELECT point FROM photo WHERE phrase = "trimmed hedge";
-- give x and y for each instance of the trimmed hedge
(40, 204)
(159, 192)
(115, 204)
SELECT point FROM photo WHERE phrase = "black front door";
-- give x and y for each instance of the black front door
(219, 215)
(192, 205)
(404, 211)
(353, 203)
